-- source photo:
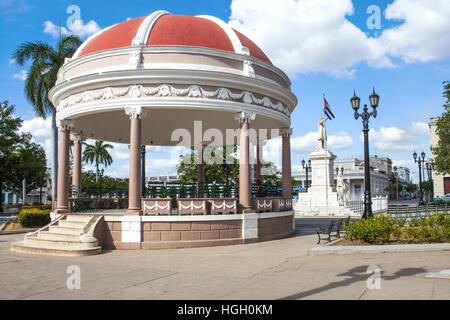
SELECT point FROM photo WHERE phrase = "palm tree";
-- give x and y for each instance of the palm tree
(98, 153)
(42, 75)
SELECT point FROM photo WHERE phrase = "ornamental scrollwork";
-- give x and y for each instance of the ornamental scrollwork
(166, 90)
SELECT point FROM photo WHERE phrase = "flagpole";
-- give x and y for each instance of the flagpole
(326, 160)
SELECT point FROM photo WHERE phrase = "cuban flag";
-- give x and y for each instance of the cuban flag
(327, 110)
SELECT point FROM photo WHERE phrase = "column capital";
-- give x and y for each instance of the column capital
(65, 125)
(285, 132)
(245, 116)
(134, 112)
(76, 137)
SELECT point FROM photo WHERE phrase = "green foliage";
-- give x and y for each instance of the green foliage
(431, 229)
(20, 157)
(378, 229)
(216, 171)
(39, 207)
(9, 139)
(411, 187)
(34, 217)
(91, 186)
(98, 153)
(427, 185)
(381, 229)
(441, 152)
(43, 72)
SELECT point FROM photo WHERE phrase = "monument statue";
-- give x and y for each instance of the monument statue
(322, 135)
(342, 188)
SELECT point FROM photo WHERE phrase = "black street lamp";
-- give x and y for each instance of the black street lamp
(143, 193)
(430, 178)
(307, 168)
(365, 115)
(420, 161)
(100, 174)
(226, 168)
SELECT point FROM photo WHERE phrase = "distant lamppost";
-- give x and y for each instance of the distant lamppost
(307, 167)
(365, 115)
(226, 168)
(143, 171)
(420, 163)
(430, 178)
(100, 174)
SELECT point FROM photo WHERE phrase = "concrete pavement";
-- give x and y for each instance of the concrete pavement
(278, 269)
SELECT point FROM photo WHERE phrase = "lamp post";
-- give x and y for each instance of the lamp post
(430, 178)
(226, 168)
(307, 168)
(143, 193)
(420, 161)
(365, 115)
(100, 174)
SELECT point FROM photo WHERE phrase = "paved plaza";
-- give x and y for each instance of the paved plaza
(279, 269)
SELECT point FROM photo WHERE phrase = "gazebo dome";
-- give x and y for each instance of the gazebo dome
(177, 70)
(163, 28)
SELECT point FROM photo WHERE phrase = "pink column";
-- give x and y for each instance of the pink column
(200, 165)
(244, 163)
(286, 162)
(63, 167)
(134, 185)
(259, 161)
(77, 151)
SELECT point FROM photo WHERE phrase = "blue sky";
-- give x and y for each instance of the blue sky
(406, 60)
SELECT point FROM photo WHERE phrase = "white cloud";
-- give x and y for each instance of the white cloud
(22, 75)
(315, 35)
(41, 131)
(424, 34)
(340, 141)
(420, 128)
(391, 139)
(12, 61)
(77, 28)
(304, 145)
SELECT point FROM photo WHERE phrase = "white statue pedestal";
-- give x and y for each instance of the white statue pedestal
(322, 197)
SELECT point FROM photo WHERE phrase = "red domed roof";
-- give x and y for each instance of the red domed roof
(162, 28)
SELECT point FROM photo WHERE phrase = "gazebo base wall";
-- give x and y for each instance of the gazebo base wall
(165, 232)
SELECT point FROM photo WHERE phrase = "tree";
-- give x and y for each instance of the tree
(411, 187)
(441, 152)
(98, 153)
(9, 138)
(30, 163)
(217, 172)
(42, 75)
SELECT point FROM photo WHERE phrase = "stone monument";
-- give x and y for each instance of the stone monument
(322, 198)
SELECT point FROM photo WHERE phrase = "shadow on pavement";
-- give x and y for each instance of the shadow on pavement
(354, 275)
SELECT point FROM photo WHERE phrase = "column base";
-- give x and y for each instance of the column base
(244, 210)
(133, 212)
(62, 211)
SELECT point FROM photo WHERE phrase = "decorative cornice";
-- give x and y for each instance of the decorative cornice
(165, 90)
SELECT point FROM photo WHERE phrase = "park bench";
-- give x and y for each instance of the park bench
(333, 230)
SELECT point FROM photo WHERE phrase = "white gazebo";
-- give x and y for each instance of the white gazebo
(167, 80)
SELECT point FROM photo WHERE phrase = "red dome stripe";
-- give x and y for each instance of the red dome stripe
(189, 31)
(255, 51)
(119, 36)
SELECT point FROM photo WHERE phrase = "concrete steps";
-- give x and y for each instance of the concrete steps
(66, 236)
(55, 251)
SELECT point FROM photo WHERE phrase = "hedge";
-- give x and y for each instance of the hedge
(40, 207)
(34, 217)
